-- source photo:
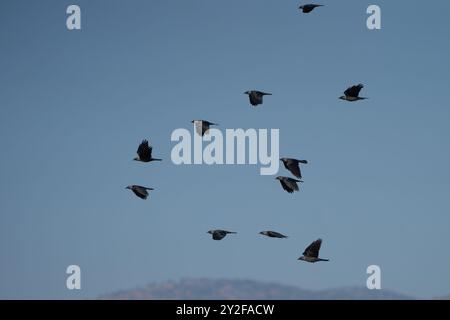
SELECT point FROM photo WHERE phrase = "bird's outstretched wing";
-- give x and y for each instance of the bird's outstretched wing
(140, 195)
(205, 128)
(293, 167)
(291, 183)
(313, 249)
(255, 98)
(286, 187)
(262, 93)
(141, 192)
(276, 234)
(307, 8)
(354, 90)
(219, 235)
(202, 127)
(144, 151)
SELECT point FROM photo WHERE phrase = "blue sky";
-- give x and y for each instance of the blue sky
(74, 106)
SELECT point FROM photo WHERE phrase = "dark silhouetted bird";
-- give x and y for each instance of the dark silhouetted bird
(352, 93)
(272, 234)
(144, 152)
(140, 191)
(311, 253)
(202, 126)
(307, 8)
(293, 166)
(256, 97)
(219, 234)
(288, 184)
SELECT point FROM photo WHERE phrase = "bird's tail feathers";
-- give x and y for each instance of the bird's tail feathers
(303, 161)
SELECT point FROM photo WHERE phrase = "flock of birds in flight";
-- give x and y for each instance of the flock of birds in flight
(311, 253)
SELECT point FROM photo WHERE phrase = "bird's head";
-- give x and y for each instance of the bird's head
(263, 233)
(283, 159)
(301, 7)
(247, 92)
(128, 187)
(136, 159)
(342, 98)
(278, 178)
(301, 258)
(210, 231)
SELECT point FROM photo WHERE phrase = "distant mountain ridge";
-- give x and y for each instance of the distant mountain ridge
(442, 298)
(223, 289)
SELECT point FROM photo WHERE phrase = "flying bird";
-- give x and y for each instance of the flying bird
(311, 253)
(307, 8)
(293, 166)
(272, 234)
(352, 93)
(288, 184)
(140, 191)
(256, 97)
(202, 126)
(144, 152)
(219, 234)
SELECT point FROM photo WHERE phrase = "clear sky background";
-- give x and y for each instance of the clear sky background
(74, 106)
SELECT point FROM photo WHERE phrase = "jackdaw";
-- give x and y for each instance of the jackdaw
(288, 184)
(140, 191)
(352, 93)
(307, 8)
(311, 253)
(144, 152)
(272, 234)
(293, 166)
(256, 97)
(219, 234)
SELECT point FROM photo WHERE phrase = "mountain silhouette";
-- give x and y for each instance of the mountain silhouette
(223, 289)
